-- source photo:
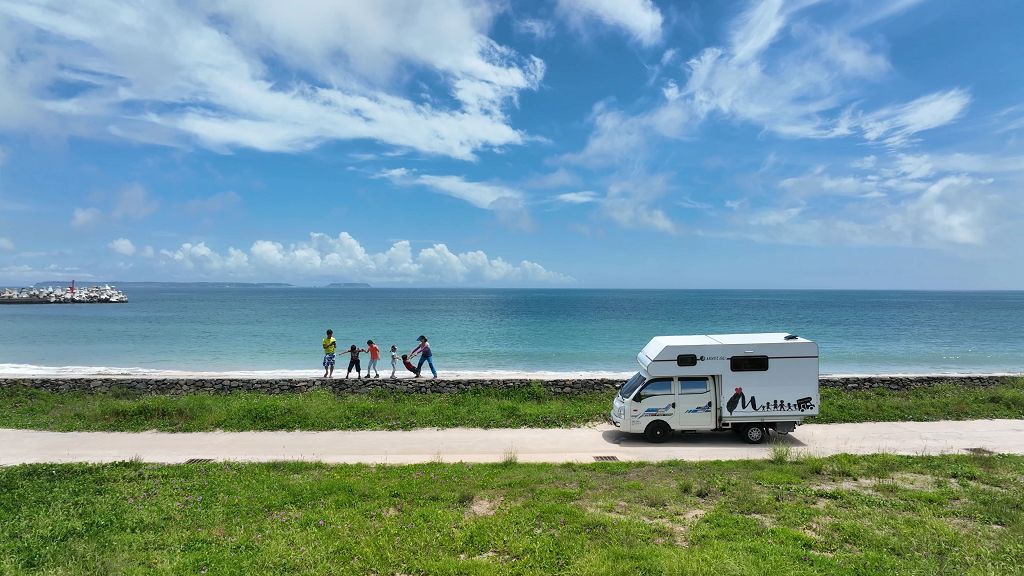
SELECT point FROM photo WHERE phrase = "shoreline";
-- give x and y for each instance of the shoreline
(12, 371)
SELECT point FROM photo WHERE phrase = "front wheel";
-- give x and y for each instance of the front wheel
(755, 434)
(657, 431)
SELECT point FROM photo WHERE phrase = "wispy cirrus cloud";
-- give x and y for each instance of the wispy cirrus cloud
(784, 72)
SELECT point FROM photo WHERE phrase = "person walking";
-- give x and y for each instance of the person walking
(374, 357)
(330, 344)
(426, 355)
(394, 360)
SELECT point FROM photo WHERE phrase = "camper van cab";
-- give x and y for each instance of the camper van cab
(748, 383)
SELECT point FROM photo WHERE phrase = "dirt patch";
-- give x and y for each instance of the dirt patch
(694, 515)
(906, 481)
(764, 520)
(912, 481)
(484, 507)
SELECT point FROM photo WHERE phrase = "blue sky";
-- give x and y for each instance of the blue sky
(576, 143)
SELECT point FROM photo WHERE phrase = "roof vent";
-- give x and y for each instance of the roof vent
(791, 337)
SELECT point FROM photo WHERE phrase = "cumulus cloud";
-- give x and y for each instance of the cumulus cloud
(84, 217)
(122, 246)
(342, 256)
(641, 19)
(6, 245)
(264, 75)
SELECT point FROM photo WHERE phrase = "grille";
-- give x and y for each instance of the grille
(606, 458)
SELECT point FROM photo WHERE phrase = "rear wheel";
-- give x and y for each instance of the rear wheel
(657, 431)
(755, 433)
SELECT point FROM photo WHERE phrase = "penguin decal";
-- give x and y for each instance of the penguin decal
(734, 401)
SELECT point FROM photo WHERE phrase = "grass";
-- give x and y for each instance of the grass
(839, 515)
(484, 408)
(939, 402)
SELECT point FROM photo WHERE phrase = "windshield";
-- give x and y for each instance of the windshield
(631, 385)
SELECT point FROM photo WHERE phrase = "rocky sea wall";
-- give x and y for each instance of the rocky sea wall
(352, 386)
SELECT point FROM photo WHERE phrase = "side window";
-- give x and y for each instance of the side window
(686, 360)
(748, 363)
(655, 388)
(693, 385)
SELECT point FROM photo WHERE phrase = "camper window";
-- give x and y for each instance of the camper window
(693, 385)
(748, 363)
(661, 387)
(631, 385)
(686, 360)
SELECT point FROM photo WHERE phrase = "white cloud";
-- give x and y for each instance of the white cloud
(629, 202)
(324, 256)
(535, 27)
(84, 217)
(560, 178)
(264, 75)
(200, 256)
(122, 246)
(936, 201)
(507, 202)
(584, 197)
(784, 72)
(215, 203)
(641, 19)
(147, 252)
(133, 202)
(6, 245)
(895, 125)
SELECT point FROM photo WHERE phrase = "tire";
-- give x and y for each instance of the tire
(657, 431)
(754, 434)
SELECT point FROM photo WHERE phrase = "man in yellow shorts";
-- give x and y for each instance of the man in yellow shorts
(330, 344)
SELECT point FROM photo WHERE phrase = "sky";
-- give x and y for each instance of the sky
(572, 143)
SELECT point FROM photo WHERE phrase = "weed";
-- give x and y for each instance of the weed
(510, 456)
(780, 453)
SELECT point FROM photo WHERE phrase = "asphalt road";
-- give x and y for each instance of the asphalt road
(526, 445)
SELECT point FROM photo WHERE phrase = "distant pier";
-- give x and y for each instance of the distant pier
(71, 295)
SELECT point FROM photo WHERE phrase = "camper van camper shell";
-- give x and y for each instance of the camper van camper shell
(749, 383)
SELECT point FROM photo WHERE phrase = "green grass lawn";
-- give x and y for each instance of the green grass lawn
(485, 408)
(840, 515)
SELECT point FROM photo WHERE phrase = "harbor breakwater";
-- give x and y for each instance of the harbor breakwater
(71, 295)
(177, 386)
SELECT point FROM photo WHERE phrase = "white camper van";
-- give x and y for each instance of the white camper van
(748, 383)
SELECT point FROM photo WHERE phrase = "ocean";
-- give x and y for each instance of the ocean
(480, 331)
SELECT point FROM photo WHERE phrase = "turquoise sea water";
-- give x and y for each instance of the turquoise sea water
(220, 329)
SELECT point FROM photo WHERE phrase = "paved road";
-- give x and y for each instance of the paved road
(527, 445)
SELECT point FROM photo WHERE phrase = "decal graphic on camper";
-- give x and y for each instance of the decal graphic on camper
(739, 400)
(700, 409)
(656, 412)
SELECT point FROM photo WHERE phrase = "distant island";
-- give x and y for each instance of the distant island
(173, 284)
(348, 285)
